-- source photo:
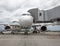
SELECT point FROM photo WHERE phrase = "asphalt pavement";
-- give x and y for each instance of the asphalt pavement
(29, 40)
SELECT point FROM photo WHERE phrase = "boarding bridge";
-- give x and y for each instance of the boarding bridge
(46, 16)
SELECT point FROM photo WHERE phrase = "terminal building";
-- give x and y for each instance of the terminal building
(51, 15)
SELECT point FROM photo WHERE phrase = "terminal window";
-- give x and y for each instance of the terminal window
(40, 14)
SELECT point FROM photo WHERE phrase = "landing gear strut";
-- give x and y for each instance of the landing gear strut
(12, 32)
(35, 32)
(1, 32)
(26, 33)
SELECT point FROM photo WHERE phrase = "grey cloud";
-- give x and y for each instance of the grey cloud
(12, 5)
(14, 8)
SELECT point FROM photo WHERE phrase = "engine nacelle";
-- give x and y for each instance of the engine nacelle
(8, 28)
(43, 28)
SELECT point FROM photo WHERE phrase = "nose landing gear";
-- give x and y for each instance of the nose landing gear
(34, 32)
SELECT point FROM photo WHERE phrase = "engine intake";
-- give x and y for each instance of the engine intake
(43, 28)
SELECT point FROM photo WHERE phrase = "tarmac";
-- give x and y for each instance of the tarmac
(40, 39)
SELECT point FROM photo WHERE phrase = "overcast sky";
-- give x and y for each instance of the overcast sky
(12, 9)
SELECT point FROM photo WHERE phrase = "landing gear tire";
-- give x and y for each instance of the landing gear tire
(1, 32)
(26, 33)
(34, 32)
(12, 32)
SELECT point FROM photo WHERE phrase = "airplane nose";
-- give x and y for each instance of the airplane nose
(26, 21)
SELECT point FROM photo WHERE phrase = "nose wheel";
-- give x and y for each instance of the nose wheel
(35, 32)
(26, 33)
(12, 32)
(1, 32)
